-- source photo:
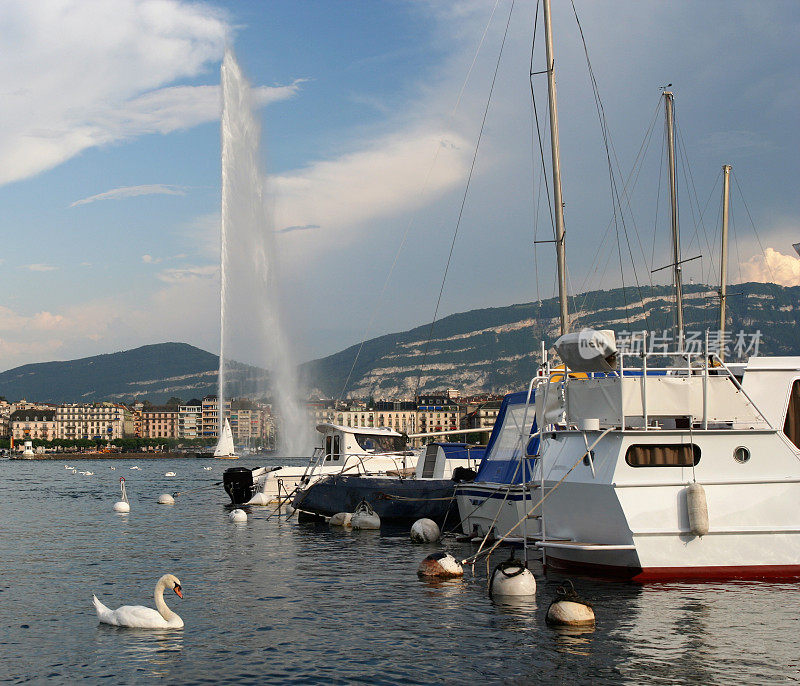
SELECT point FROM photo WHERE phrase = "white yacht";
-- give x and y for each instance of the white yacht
(681, 472)
(656, 464)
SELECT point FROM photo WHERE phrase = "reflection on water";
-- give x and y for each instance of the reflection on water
(154, 654)
(272, 600)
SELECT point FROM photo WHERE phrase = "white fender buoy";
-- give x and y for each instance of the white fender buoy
(113, 469)
(122, 505)
(512, 578)
(569, 609)
(697, 509)
(365, 517)
(260, 498)
(344, 519)
(166, 499)
(425, 531)
(238, 515)
(440, 566)
(169, 474)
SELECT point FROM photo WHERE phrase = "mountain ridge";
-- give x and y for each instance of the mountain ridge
(488, 350)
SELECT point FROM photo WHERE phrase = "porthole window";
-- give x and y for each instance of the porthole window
(741, 454)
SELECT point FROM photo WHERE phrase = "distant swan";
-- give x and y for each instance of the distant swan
(140, 617)
(208, 469)
(169, 474)
(136, 468)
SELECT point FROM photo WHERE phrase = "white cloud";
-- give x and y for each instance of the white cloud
(149, 259)
(773, 267)
(132, 192)
(382, 179)
(185, 274)
(40, 267)
(76, 75)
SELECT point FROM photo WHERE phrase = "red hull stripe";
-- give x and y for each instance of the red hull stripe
(655, 574)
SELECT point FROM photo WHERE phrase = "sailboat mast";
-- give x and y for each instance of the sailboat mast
(723, 271)
(673, 197)
(557, 201)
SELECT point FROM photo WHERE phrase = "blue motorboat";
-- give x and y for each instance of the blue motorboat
(401, 499)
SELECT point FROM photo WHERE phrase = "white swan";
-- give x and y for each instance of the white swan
(169, 474)
(136, 468)
(140, 617)
(208, 469)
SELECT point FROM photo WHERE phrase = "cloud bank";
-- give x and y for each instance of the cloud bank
(772, 267)
(77, 75)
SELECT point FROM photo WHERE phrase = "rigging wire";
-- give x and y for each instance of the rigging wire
(464, 199)
(423, 191)
(755, 231)
(615, 195)
(630, 184)
(689, 178)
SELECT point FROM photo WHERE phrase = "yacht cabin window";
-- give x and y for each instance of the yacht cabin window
(332, 450)
(380, 444)
(791, 427)
(675, 455)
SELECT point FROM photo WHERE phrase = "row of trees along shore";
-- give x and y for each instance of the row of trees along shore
(131, 444)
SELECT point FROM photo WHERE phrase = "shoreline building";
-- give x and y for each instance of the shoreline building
(33, 424)
(102, 421)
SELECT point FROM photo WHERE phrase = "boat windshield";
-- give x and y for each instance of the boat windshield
(381, 444)
(510, 440)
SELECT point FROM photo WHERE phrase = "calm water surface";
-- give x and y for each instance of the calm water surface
(276, 601)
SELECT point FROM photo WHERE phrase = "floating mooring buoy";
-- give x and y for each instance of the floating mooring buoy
(440, 566)
(122, 505)
(342, 519)
(365, 517)
(425, 531)
(166, 499)
(238, 515)
(569, 609)
(511, 578)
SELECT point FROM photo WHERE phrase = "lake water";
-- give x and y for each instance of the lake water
(281, 602)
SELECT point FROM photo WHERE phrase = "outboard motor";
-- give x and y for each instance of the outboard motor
(238, 484)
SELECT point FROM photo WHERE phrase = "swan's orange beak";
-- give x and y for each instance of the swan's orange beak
(177, 590)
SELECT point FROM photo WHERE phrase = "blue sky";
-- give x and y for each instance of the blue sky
(110, 172)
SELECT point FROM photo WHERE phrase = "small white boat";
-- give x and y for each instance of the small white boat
(343, 450)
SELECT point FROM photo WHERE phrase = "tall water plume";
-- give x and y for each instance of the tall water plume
(251, 323)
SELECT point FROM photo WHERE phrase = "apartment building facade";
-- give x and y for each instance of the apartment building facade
(102, 421)
(32, 424)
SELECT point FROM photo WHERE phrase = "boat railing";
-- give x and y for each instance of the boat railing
(353, 462)
(651, 371)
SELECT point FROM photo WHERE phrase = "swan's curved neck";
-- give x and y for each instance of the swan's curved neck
(161, 606)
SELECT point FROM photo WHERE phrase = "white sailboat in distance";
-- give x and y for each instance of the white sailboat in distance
(225, 449)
